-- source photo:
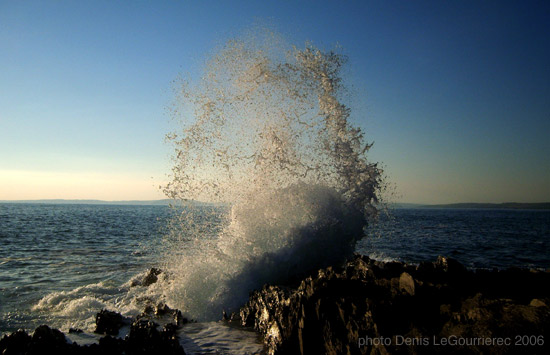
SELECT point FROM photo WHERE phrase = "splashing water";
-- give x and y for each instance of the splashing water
(266, 136)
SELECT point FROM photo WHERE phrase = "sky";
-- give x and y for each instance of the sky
(454, 95)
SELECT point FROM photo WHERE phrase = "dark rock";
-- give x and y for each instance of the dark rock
(169, 330)
(145, 338)
(339, 310)
(75, 331)
(110, 345)
(45, 337)
(162, 309)
(151, 277)
(164, 314)
(449, 265)
(236, 318)
(44, 340)
(18, 342)
(108, 322)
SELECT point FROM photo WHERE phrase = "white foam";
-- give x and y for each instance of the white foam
(78, 307)
(266, 133)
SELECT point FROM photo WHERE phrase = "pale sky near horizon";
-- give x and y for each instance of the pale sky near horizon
(455, 95)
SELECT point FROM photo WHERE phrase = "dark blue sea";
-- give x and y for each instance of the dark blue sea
(478, 238)
(61, 264)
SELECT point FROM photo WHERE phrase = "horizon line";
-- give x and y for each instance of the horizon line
(168, 200)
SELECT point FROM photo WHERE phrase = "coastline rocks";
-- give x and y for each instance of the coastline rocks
(44, 340)
(163, 314)
(371, 307)
(364, 307)
(144, 338)
(108, 322)
(150, 278)
(17, 343)
(45, 337)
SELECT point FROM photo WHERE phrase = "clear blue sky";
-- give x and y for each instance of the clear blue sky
(455, 95)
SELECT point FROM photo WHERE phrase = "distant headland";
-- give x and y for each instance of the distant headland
(471, 205)
(168, 202)
(164, 202)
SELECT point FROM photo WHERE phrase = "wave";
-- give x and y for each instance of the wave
(265, 133)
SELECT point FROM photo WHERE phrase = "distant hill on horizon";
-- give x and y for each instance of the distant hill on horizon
(506, 205)
(164, 202)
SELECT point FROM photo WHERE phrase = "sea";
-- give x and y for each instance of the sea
(62, 263)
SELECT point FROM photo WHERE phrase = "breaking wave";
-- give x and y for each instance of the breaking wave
(267, 141)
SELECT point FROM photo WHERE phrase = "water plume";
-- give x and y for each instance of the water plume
(267, 140)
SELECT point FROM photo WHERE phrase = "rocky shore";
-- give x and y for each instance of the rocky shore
(145, 337)
(364, 307)
(371, 307)
(152, 332)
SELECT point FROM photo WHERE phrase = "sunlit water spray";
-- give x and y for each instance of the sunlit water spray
(266, 136)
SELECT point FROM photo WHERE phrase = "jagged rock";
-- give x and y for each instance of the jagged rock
(449, 265)
(169, 330)
(164, 314)
(150, 278)
(108, 322)
(111, 345)
(145, 338)
(406, 283)
(45, 337)
(537, 303)
(18, 342)
(413, 309)
(44, 340)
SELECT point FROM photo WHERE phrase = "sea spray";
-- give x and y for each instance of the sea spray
(267, 140)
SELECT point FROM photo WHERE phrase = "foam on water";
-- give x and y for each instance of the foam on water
(77, 308)
(264, 133)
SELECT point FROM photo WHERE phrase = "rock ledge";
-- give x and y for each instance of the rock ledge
(371, 307)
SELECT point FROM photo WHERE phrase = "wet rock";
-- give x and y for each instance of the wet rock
(535, 302)
(169, 330)
(44, 340)
(109, 345)
(18, 342)
(145, 338)
(164, 314)
(108, 322)
(45, 337)
(449, 265)
(412, 308)
(150, 278)
(406, 284)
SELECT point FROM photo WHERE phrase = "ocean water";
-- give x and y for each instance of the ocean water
(46, 249)
(478, 238)
(61, 264)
